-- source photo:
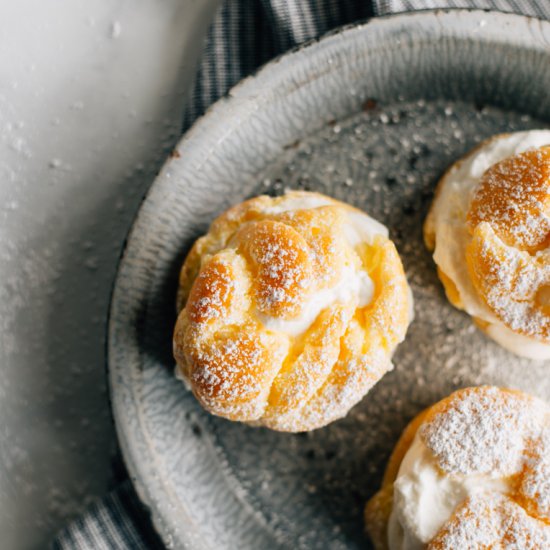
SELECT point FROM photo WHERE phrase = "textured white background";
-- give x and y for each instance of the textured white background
(91, 95)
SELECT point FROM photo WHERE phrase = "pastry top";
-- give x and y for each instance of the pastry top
(290, 309)
(496, 522)
(490, 226)
(508, 257)
(475, 473)
(513, 198)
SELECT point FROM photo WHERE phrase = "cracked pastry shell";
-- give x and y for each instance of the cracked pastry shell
(471, 471)
(290, 309)
(489, 230)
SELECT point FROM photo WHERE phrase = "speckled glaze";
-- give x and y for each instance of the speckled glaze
(371, 115)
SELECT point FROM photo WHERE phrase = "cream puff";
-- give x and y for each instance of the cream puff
(472, 471)
(290, 309)
(489, 230)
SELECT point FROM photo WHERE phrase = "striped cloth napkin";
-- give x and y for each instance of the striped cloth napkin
(244, 35)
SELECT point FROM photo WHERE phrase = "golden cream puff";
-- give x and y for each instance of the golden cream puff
(472, 471)
(489, 230)
(290, 309)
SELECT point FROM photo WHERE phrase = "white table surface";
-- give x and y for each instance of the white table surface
(91, 95)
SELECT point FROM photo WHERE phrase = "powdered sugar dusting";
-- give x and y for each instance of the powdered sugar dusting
(283, 266)
(492, 521)
(347, 384)
(483, 432)
(511, 283)
(513, 196)
(535, 483)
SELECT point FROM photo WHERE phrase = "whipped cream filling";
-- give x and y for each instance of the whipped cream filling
(424, 498)
(452, 237)
(292, 202)
(362, 229)
(354, 284)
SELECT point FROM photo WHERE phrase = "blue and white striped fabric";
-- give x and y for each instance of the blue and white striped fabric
(118, 521)
(244, 35)
(247, 33)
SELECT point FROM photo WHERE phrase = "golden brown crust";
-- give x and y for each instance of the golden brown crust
(259, 262)
(530, 488)
(510, 194)
(510, 282)
(497, 522)
(509, 231)
(533, 492)
(377, 516)
(281, 267)
(451, 291)
(303, 371)
(510, 226)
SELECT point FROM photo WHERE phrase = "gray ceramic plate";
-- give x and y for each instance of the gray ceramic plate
(371, 115)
